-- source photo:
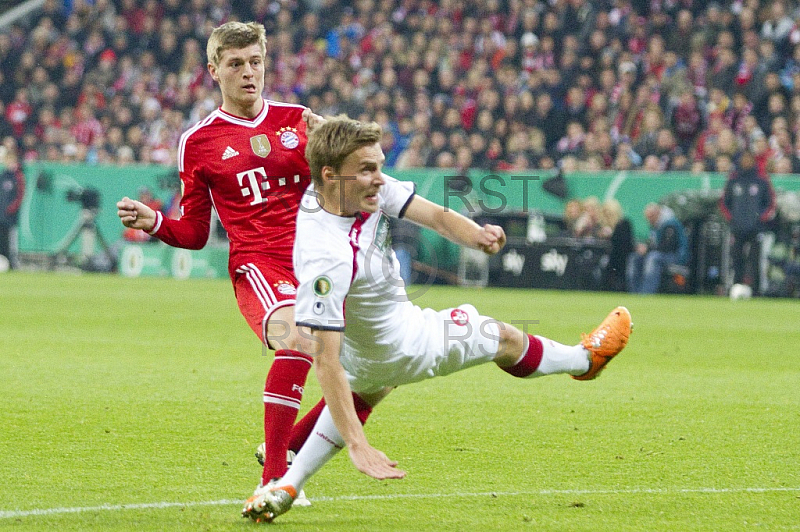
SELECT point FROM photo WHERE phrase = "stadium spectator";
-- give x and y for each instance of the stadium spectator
(652, 164)
(668, 245)
(679, 40)
(588, 224)
(778, 24)
(748, 203)
(686, 120)
(619, 231)
(723, 71)
(723, 163)
(18, 112)
(388, 341)
(763, 154)
(708, 137)
(647, 138)
(12, 190)
(573, 209)
(727, 143)
(739, 109)
(263, 143)
(784, 165)
(549, 119)
(573, 142)
(414, 155)
(151, 51)
(622, 161)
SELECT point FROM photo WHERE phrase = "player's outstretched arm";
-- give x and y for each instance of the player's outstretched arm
(189, 232)
(456, 227)
(325, 347)
(312, 119)
(135, 214)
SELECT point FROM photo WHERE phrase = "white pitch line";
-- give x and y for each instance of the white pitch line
(11, 514)
(551, 492)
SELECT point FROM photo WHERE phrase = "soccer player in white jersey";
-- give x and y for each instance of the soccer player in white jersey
(247, 161)
(356, 321)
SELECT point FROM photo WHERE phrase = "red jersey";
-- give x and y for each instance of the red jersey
(253, 172)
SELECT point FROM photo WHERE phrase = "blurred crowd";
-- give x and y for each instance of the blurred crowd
(652, 85)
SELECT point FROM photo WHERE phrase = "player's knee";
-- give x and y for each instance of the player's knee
(510, 343)
(282, 335)
(290, 342)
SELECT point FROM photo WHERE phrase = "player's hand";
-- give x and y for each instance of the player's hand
(374, 463)
(135, 214)
(491, 239)
(312, 119)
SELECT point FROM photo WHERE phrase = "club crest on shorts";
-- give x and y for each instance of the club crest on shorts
(322, 286)
(289, 138)
(260, 145)
(459, 317)
(286, 288)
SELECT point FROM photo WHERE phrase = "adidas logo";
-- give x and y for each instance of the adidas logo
(229, 152)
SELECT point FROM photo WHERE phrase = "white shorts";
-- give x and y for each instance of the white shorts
(438, 343)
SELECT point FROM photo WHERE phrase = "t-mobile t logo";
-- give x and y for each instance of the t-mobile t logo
(254, 183)
(252, 186)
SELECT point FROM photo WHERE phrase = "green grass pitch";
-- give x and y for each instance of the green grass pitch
(136, 404)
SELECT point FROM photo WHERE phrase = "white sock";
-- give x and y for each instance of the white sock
(322, 445)
(559, 358)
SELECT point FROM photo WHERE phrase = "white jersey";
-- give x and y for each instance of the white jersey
(349, 281)
(348, 262)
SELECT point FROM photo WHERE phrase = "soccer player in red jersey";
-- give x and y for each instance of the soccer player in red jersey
(247, 160)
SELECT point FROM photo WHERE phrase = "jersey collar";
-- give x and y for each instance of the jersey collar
(246, 122)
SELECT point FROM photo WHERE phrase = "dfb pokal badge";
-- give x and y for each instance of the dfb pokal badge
(322, 286)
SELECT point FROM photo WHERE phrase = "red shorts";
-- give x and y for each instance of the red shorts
(262, 287)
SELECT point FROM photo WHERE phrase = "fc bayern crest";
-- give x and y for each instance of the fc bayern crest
(286, 288)
(289, 138)
(459, 317)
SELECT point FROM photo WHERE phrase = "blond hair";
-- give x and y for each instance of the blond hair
(330, 143)
(612, 212)
(235, 35)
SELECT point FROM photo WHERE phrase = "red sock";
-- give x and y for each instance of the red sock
(282, 394)
(302, 428)
(530, 361)
(363, 410)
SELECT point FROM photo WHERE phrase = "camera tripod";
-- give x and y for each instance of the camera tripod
(86, 229)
